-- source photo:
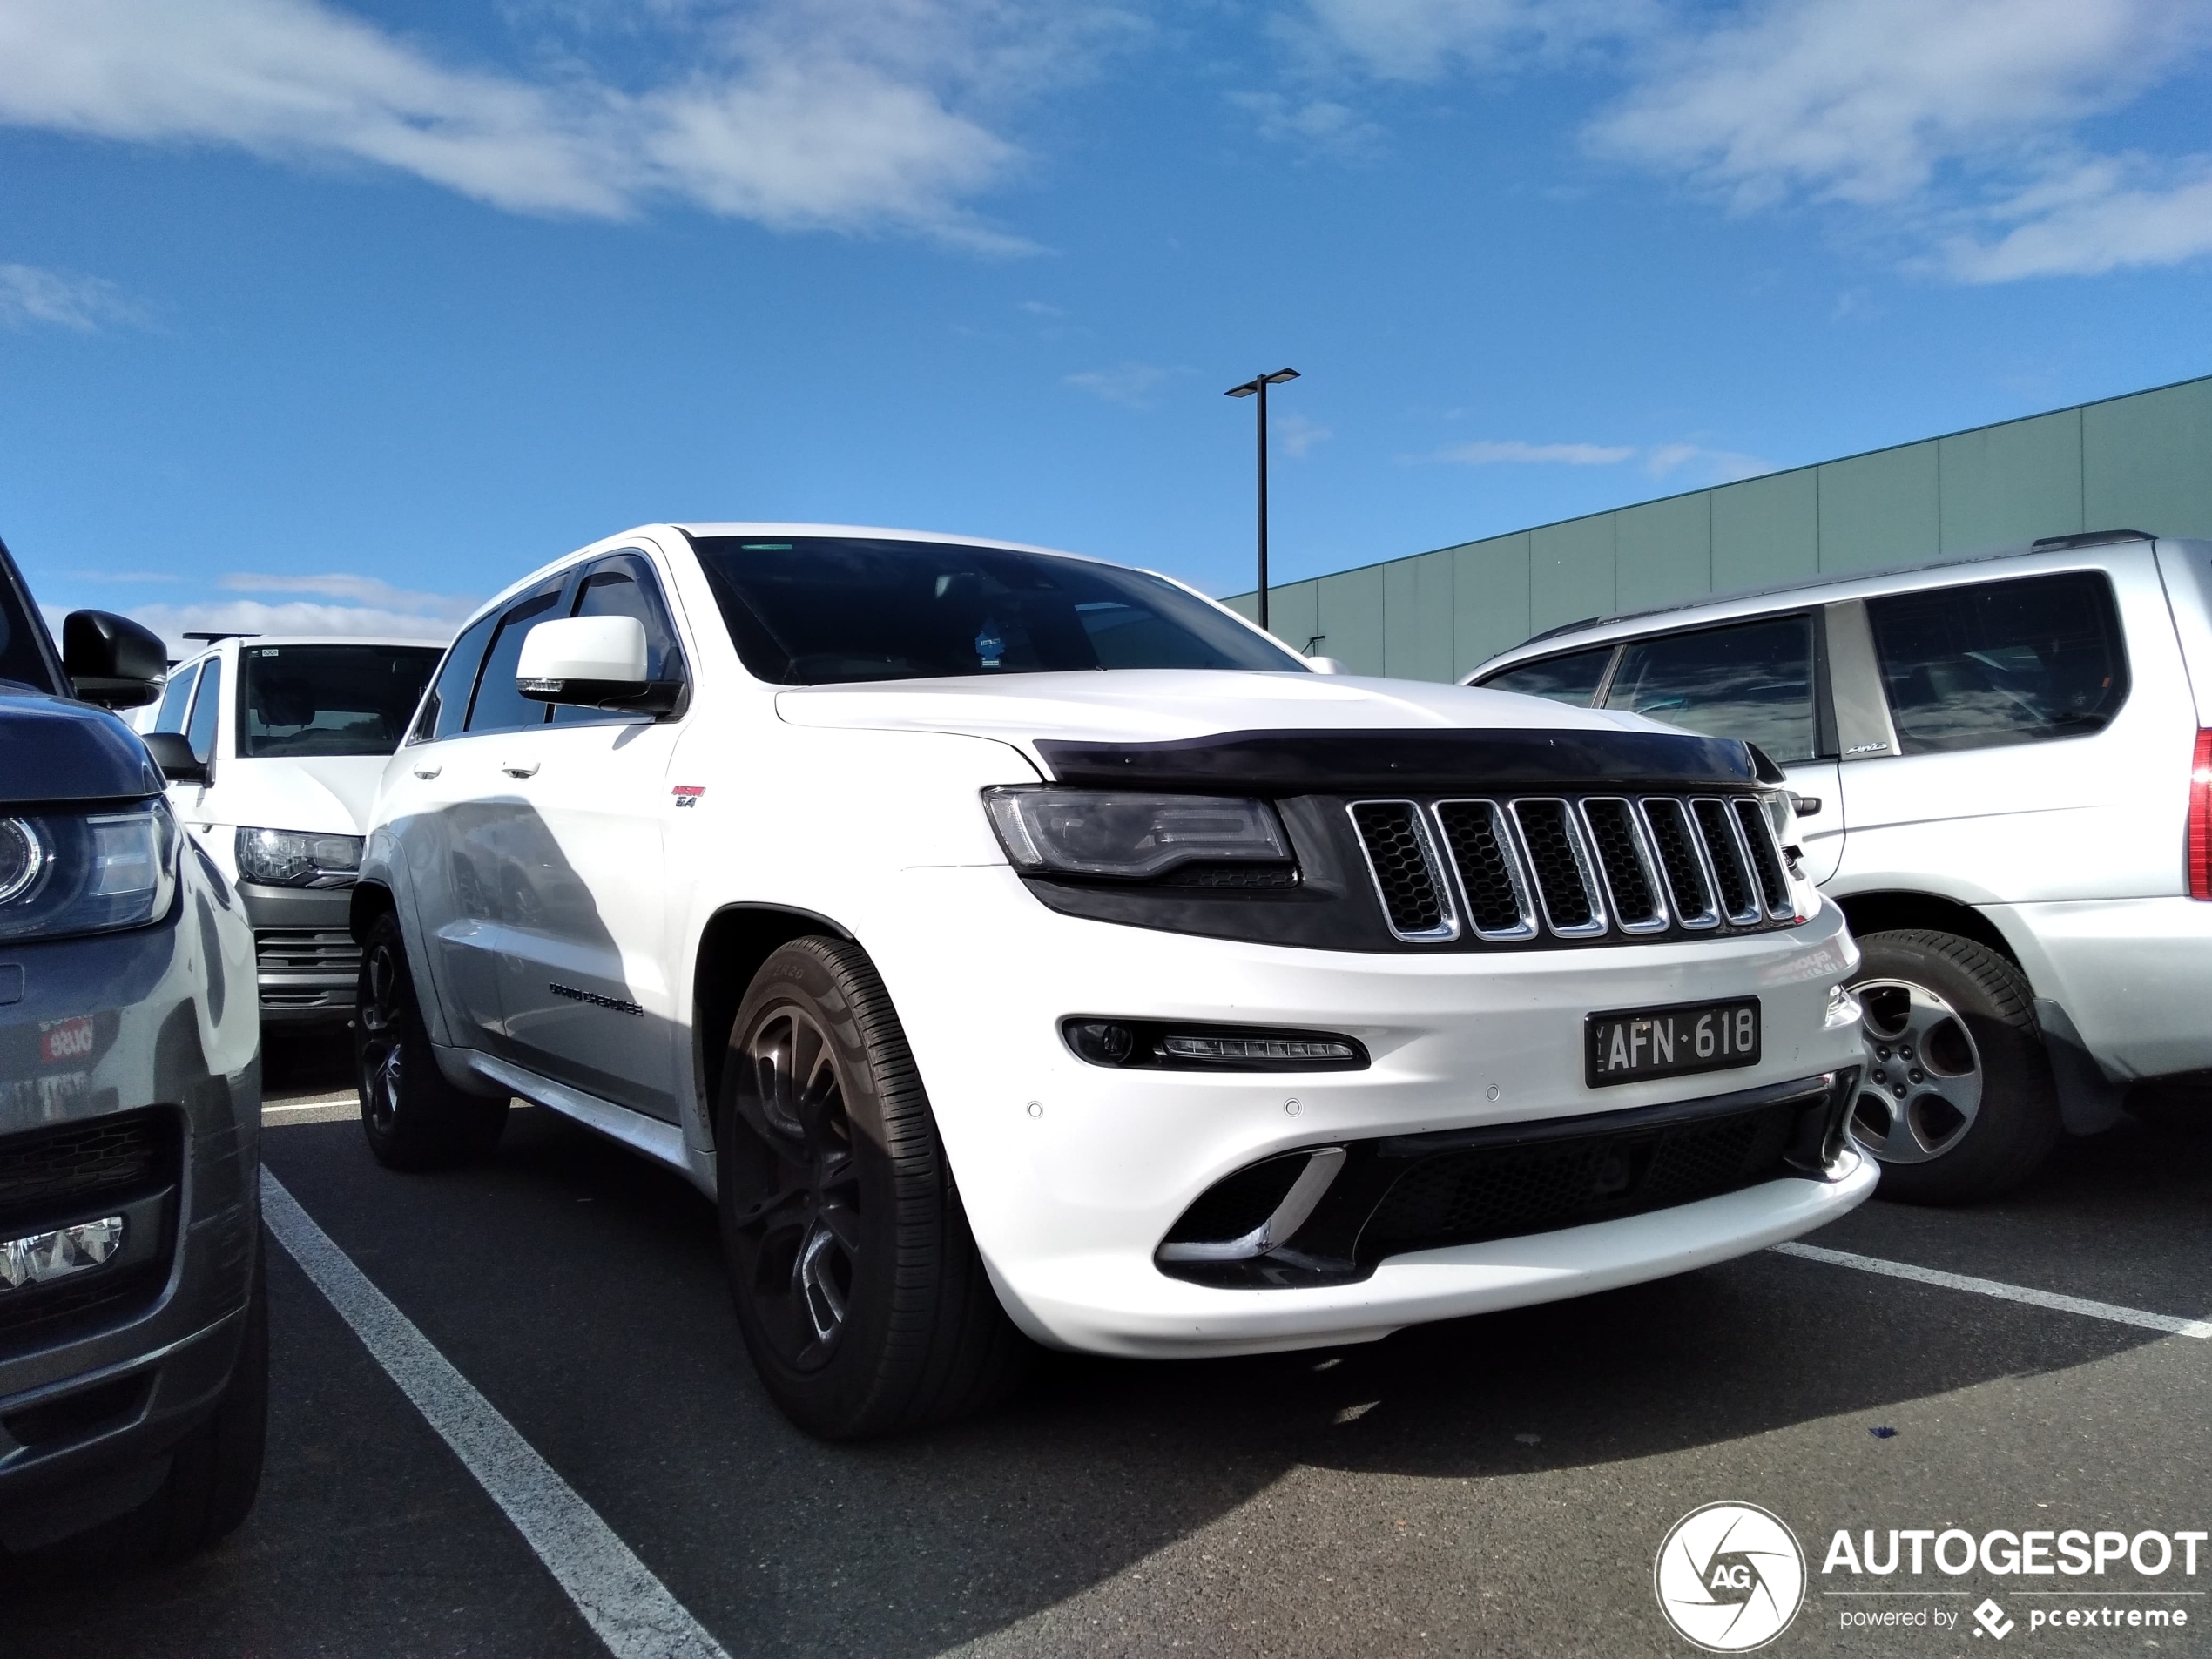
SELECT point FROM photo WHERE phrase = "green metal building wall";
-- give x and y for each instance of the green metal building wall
(2142, 462)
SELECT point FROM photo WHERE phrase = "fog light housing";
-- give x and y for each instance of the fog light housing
(41, 1257)
(1184, 1045)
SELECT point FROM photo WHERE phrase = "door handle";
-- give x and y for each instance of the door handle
(426, 773)
(519, 768)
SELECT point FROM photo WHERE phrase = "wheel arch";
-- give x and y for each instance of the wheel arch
(371, 900)
(735, 942)
(1888, 912)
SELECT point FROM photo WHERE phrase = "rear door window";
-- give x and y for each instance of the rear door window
(499, 706)
(1752, 680)
(1571, 679)
(1999, 663)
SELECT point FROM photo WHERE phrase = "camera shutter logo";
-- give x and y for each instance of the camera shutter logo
(1729, 1577)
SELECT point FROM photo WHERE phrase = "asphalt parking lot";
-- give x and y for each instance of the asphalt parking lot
(1492, 1486)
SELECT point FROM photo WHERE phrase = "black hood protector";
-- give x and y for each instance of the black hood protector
(1428, 761)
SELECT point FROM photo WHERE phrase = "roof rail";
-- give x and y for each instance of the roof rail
(2088, 538)
(1563, 628)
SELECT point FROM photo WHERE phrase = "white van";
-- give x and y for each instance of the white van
(289, 736)
(2004, 766)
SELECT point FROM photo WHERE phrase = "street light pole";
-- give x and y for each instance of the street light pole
(1259, 383)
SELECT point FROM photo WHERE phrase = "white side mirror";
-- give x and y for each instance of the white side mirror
(588, 660)
(1327, 666)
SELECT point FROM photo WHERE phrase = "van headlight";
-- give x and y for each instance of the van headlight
(1132, 837)
(87, 873)
(296, 859)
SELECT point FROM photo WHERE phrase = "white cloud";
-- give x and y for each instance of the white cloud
(1418, 40)
(1961, 127)
(1658, 460)
(1126, 384)
(798, 114)
(340, 603)
(357, 589)
(1318, 124)
(299, 616)
(1511, 452)
(1298, 435)
(30, 296)
(1864, 101)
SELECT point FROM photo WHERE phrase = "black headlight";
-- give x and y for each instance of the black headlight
(87, 873)
(1133, 837)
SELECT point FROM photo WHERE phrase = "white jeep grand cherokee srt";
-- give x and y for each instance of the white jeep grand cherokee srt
(1017, 944)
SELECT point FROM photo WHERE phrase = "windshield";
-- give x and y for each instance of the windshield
(328, 699)
(820, 610)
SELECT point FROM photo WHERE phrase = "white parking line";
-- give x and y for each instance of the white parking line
(631, 1610)
(2200, 1329)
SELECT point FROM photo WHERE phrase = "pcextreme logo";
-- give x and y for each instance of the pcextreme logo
(1729, 1577)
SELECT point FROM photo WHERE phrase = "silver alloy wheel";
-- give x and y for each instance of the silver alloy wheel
(382, 1050)
(1922, 1088)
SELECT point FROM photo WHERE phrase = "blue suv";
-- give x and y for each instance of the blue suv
(133, 1318)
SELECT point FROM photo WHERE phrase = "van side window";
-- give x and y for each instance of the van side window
(1752, 680)
(1571, 679)
(623, 586)
(448, 703)
(2000, 662)
(499, 706)
(176, 697)
(205, 706)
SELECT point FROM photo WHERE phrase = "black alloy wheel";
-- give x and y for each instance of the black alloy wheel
(414, 1119)
(858, 1286)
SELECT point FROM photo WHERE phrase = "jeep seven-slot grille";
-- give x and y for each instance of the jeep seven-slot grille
(1575, 868)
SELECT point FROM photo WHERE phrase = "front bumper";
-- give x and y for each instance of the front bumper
(306, 958)
(2134, 975)
(96, 1381)
(1073, 1174)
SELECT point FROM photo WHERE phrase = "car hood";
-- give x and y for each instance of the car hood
(1157, 705)
(55, 750)
(322, 794)
(1279, 730)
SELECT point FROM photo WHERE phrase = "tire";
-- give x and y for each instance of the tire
(414, 1118)
(215, 1471)
(858, 1289)
(1957, 1101)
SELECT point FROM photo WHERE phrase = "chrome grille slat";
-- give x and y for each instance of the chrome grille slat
(1631, 879)
(1758, 831)
(1552, 837)
(1402, 858)
(1681, 856)
(1479, 844)
(1731, 866)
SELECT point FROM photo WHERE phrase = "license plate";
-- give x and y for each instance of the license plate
(1631, 1044)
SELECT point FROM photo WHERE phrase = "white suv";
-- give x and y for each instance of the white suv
(1018, 943)
(288, 737)
(2004, 766)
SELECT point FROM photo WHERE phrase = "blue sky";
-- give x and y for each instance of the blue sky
(340, 317)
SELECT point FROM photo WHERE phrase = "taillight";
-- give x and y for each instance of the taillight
(2200, 819)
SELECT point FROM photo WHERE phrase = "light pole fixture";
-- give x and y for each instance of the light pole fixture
(1259, 383)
